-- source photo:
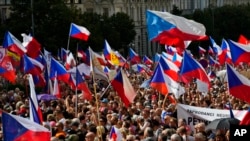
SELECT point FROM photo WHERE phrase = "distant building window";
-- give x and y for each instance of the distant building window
(105, 12)
(3, 14)
(2, 2)
(8, 2)
(90, 10)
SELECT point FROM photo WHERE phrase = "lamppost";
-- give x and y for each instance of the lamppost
(32, 18)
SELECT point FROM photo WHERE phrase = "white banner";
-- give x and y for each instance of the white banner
(194, 115)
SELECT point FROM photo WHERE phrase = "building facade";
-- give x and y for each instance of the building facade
(136, 10)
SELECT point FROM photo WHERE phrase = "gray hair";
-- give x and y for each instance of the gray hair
(176, 137)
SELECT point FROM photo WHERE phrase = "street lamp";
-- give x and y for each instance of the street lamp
(32, 18)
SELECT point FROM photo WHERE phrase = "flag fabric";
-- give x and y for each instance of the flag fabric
(231, 111)
(59, 71)
(158, 81)
(140, 69)
(213, 62)
(81, 85)
(170, 49)
(165, 84)
(63, 54)
(210, 50)
(32, 45)
(246, 118)
(173, 30)
(15, 58)
(16, 128)
(225, 48)
(109, 54)
(157, 57)
(243, 40)
(13, 44)
(115, 134)
(106, 69)
(7, 70)
(238, 84)
(2, 53)
(39, 80)
(133, 56)
(202, 50)
(70, 61)
(79, 32)
(32, 66)
(81, 54)
(177, 59)
(96, 61)
(146, 60)
(83, 69)
(35, 110)
(56, 89)
(169, 68)
(221, 55)
(239, 52)
(124, 88)
(191, 69)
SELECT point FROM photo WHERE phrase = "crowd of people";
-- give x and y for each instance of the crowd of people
(106, 118)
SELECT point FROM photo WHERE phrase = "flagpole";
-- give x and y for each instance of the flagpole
(76, 104)
(96, 99)
(105, 90)
(69, 37)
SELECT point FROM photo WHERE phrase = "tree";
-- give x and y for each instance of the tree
(125, 30)
(51, 21)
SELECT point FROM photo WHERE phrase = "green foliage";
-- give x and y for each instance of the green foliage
(176, 10)
(52, 21)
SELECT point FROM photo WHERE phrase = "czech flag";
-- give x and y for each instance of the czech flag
(32, 45)
(173, 30)
(32, 66)
(146, 60)
(58, 70)
(79, 32)
(13, 44)
(81, 85)
(239, 52)
(225, 48)
(16, 128)
(238, 84)
(124, 88)
(191, 68)
(169, 68)
(221, 55)
(140, 68)
(134, 57)
(158, 81)
(115, 134)
(35, 110)
(246, 118)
